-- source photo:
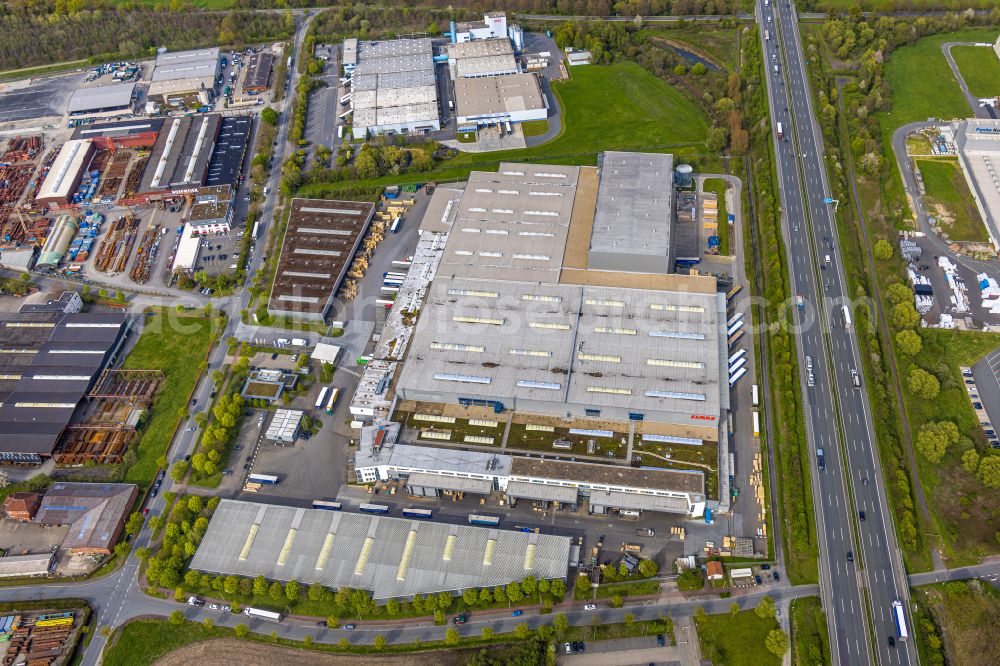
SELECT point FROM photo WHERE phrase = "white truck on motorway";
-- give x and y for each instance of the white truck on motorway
(847, 316)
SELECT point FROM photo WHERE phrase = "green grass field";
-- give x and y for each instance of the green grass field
(614, 107)
(980, 68)
(922, 83)
(810, 640)
(177, 345)
(729, 640)
(948, 196)
(535, 127)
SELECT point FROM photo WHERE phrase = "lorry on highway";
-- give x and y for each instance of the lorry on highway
(781, 131)
(262, 614)
(820, 459)
(847, 316)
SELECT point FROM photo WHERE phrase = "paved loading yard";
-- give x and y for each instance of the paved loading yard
(29, 100)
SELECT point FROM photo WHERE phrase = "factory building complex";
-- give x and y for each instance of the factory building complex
(394, 88)
(553, 306)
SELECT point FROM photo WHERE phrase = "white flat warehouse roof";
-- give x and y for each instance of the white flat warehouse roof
(392, 557)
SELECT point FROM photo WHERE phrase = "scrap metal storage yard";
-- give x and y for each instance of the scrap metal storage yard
(392, 557)
(320, 241)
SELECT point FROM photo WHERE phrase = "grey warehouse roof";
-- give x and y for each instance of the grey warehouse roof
(392, 557)
(550, 345)
(197, 63)
(101, 98)
(633, 214)
(512, 223)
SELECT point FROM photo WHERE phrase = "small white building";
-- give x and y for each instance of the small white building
(187, 250)
(325, 353)
(285, 425)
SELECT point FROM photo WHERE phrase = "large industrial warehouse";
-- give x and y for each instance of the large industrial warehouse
(392, 86)
(569, 350)
(320, 241)
(391, 557)
(534, 312)
(48, 362)
(978, 143)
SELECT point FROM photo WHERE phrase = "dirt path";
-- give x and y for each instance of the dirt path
(232, 652)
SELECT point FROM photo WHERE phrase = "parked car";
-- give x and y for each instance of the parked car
(460, 619)
(348, 626)
(517, 613)
(590, 607)
(569, 648)
(213, 607)
(765, 567)
(775, 575)
(660, 640)
(760, 581)
(226, 608)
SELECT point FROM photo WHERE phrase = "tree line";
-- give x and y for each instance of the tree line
(99, 35)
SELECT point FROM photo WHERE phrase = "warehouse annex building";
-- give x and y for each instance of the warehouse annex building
(98, 100)
(391, 557)
(433, 471)
(514, 98)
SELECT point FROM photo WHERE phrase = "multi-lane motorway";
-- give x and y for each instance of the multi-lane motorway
(860, 570)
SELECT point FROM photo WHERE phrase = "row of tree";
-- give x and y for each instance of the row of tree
(40, 39)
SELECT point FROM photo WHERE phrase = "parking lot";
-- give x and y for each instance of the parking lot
(982, 383)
